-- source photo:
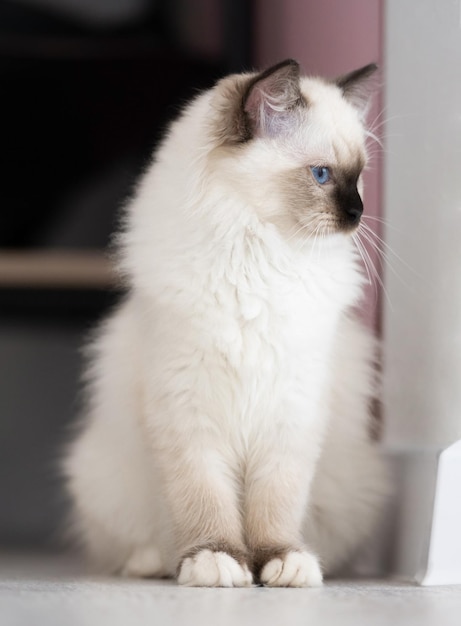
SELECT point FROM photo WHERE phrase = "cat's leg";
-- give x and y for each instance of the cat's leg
(276, 494)
(184, 422)
(208, 526)
(206, 518)
(201, 490)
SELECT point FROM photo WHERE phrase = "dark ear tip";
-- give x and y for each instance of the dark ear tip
(371, 67)
(290, 62)
(288, 68)
(287, 63)
(366, 70)
(360, 75)
(369, 70)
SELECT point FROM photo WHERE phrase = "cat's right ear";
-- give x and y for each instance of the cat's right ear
(358, 86)
(271, 99)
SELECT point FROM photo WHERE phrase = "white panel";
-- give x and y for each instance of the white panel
(443, 565)
(422, 323)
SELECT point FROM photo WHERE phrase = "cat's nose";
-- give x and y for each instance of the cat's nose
(354, 208)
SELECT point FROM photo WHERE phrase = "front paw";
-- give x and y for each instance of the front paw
(206, 567)
(289, 568)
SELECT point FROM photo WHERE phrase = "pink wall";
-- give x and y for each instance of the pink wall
(328, 37)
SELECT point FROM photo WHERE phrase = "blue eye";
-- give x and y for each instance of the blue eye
(321, 174)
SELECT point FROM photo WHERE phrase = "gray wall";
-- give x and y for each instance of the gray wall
(422, 316)
(39, 372)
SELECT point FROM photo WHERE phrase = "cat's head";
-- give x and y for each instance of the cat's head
(294, 147)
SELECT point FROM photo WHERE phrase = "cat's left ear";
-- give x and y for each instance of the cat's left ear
(358, 86)
(271, 99)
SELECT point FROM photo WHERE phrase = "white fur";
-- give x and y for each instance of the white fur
(229, 393)
(213, 569)
(295, 569)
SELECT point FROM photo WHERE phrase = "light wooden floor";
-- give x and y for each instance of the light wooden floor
(48, 591)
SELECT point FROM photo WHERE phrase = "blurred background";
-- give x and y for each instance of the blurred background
(87, 87)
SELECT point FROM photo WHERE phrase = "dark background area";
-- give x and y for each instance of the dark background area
(86, 95)
(84, 103)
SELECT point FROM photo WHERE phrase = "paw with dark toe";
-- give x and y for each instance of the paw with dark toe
(214, 566)
(285, 567)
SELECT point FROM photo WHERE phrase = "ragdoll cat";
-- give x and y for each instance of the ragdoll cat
(227, 434)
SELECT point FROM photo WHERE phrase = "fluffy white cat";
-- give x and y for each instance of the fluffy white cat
(226, 438)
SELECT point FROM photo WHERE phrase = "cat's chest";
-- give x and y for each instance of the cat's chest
(276, 321)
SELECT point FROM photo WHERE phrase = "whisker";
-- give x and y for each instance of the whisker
(370, 135)
(386, 248)
(315, 247)
(381, 112)
(375, 218)
(374, 246)
(357, 243)
(383, 257)
(380, 222)
(297, 231)
(375, 272)
(303, 227)
(314, 242)
(376, 126)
